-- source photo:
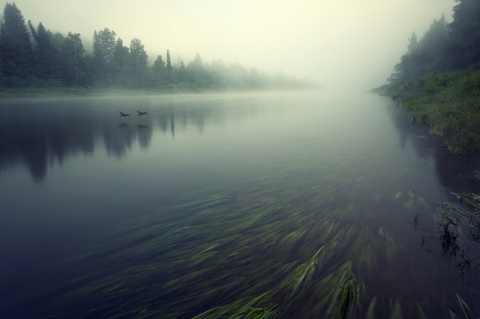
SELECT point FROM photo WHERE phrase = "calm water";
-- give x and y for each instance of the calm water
(81, 189)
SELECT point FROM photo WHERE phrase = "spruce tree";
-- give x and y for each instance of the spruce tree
(15, 47)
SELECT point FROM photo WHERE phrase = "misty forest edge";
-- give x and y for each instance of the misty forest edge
(438, 79)
(34, 59)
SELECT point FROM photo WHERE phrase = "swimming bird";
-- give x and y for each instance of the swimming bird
(141, 113)
(123, 114)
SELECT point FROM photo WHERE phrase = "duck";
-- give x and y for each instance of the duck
(123, 114)
(141, 113)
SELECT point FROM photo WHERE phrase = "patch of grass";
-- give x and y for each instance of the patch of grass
(449, 103)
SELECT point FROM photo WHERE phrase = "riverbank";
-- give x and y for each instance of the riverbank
(448, 103)
(88, 91)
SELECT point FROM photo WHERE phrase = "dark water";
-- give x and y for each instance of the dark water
(73, 172)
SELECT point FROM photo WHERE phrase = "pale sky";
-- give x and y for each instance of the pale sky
(338, 43)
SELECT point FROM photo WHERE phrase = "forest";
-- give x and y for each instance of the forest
(34, 57)
(438, 79)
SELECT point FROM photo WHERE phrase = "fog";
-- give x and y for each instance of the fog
(347, 43)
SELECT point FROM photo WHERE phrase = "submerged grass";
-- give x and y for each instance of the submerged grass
(259, 253)
(239, 309)
(303, 274)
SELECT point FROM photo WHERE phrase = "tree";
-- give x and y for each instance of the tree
(72, 54)
(464, 49)
(103, 48)
(434, 40)
(197, 73)
(158, 71)
(46, 55)
(433, 44)
(121, 56)
(182, 72)
(138, 62)
(169, 63)
(412, 43)
(425, 56)
(15, 48)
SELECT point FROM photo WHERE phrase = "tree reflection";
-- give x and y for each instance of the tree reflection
(41, 132)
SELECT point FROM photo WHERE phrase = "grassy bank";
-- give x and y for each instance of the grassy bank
(449, 103)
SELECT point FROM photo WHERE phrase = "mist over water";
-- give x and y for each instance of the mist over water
(77, 179)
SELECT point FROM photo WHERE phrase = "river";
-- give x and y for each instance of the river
(275, 204)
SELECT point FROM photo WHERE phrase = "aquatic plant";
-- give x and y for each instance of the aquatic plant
(449, 233)
(464, 309)
(371, 309)
(386, 243)
(349, 299)
(303, 274)
(396, 310)
(397, 196)
(239, 309)
(264, 252)
(411, 201)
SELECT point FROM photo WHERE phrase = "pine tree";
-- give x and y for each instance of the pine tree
(15, 47)
(158, 71)
(46, 56)
(121, 56)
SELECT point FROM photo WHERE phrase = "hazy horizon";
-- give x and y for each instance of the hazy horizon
(337, 44)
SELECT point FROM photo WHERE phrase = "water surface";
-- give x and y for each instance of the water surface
(218, 200)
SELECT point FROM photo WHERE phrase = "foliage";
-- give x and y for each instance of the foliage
(449, 103)
(15, 48)
(463, 49)
(438, 79)
(425, 56)
(444, 47)
(31, 57)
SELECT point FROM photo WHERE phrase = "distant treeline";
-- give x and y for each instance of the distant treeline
(438, 79)
(36, 57)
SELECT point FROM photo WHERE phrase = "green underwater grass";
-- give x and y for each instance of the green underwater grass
(263, 252)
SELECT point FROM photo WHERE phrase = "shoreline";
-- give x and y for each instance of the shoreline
(448, 103)
(94, 92)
